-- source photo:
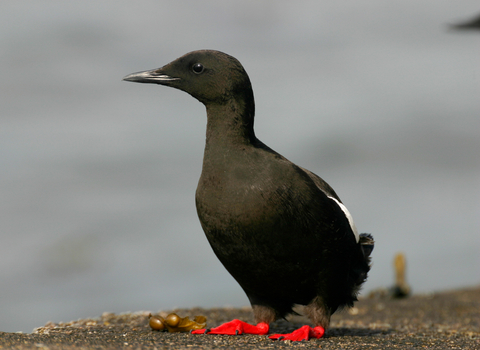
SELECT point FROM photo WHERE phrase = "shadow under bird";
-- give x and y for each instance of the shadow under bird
(280, 230)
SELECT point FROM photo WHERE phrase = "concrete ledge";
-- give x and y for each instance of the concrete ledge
(447, 320)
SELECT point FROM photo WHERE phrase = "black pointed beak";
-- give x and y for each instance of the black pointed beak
(154, 76)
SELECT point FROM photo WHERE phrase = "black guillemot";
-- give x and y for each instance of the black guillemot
(280, 230)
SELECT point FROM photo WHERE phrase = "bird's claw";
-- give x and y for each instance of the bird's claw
(301, 334)
(236, 327)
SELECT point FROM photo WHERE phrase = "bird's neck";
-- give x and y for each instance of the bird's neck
(230, 124)
(229, 139)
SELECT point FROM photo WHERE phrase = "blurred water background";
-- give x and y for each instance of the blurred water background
(97, 176)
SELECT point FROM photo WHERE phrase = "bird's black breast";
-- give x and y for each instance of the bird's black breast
(267, 221)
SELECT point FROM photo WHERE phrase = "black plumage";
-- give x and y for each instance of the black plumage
(280, 230)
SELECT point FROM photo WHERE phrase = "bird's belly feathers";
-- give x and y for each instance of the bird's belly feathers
(260, 221)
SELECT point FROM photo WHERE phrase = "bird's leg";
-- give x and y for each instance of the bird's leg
(319, 313)
(264, 315)
(236, 327)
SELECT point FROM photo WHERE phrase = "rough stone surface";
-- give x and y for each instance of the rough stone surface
(447, 320)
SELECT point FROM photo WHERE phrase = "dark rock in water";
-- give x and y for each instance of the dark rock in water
(473, 24)
(280, 230)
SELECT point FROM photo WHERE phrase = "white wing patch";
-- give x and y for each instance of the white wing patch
(349, 217)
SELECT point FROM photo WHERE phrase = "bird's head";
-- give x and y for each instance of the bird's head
(209, 76)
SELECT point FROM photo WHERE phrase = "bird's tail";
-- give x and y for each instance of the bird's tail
(367, 243)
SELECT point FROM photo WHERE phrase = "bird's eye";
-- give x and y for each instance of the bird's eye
(197, 68)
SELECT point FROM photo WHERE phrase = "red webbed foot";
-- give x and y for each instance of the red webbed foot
(236, 327)
(303, 333)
